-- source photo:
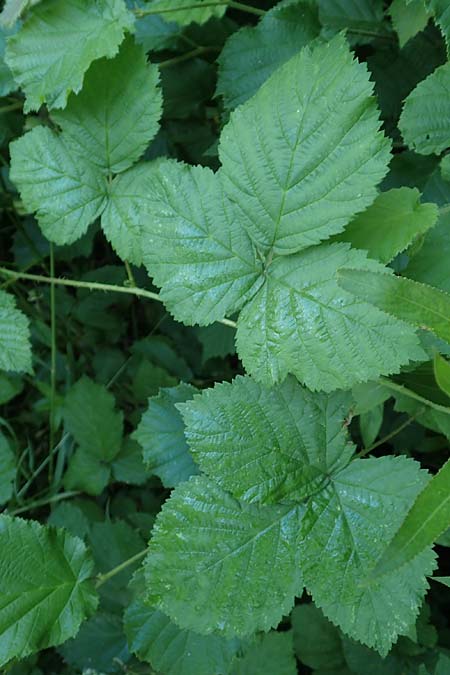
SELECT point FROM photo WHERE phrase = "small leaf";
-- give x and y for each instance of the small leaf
(128, 466)
(430, 263)
(65, 189)
(15, 347)
(425, 120)
(270, 653)
(116, 114)
(408, 18)
(206, 544)
(443, 580)
(7, 469)
(426, 521)
(391, 223)
(317, 642)
(370, 424)
(420, 305)
(45, 587)
(173, 651)
(80, 33)
(442, 373)
(161, 435)
(185, 12)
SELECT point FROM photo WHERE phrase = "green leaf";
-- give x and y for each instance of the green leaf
(391, 223)
(441, 13)
(79, 33)
(420, 305)
(370, 424)
(274, 445)
(15, 347)
(45, 587)
(317, 642)
(116, 114)
(271, 653)
(358, 16)
(425, 120)
(125, 213)
(425, 522)
(206, 544)
(193, 247)
(87, 472)
(65, 189)
(7, 469)
(443, 580)
(408, 18)
(173, 651)
(128, 466)
(346, 528)
(161, 435)
(253, 53)
(184, 12)
(300, 166)
(442, 373)
(430, 263)
(301, 322)
(13, 10)
(7, 84)
(100, 645)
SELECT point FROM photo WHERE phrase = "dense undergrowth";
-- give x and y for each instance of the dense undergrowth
(225, 337)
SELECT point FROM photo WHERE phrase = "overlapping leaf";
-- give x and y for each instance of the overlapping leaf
(15, 347)
(185, 12)
(45, 587)
(7, 469)
(57, 43)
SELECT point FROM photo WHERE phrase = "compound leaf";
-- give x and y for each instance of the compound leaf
(252, 54)
(15, 347)
(299, 167)
(161, 435)
(185, 11)
(428, 518)
(116, 114)
(391, 223)
(346, 528)
(57, 43)
(65, 189)
(206, 544)
(418, 304)
(7, 469)
(193, 247)
(268, 445)
(173, 651)
(300, 322)
(425, 120)
(45, 587)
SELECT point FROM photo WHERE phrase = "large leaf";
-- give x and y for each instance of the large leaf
(300, 322)
(422, 306)
(65, 189)
(304, 155)
(193, 246)
(161, 435)
(218, 573)
(252, 54)
(425, 120)
(15, 347)
(346, 528)
(391, 223)
(57, 43)
(116, 114)
(45, 587)
(238, 434)
(173, 651)
(7, 469)
(425, 522)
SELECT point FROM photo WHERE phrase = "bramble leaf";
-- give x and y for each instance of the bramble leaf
(301, 322)
(172, 651)
(116, 114)
(221, 544)
(253, 53)
(425, 120)
(50, 54)
(428, 518)
(160, 433)
(238, 434)
(7, 469)
(391, 223)
(408, 18)
(299, 167)
(65, 189)
(193, 246)
(45, 587)
(15, 347)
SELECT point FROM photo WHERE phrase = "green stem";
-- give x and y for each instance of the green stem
(103, 578)
(200, 5)
(198, 51)
(52, 364)
(388, 437)
(43, 502)
(130, 275)
(92, 286)
(11, 107)
(400, 389)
